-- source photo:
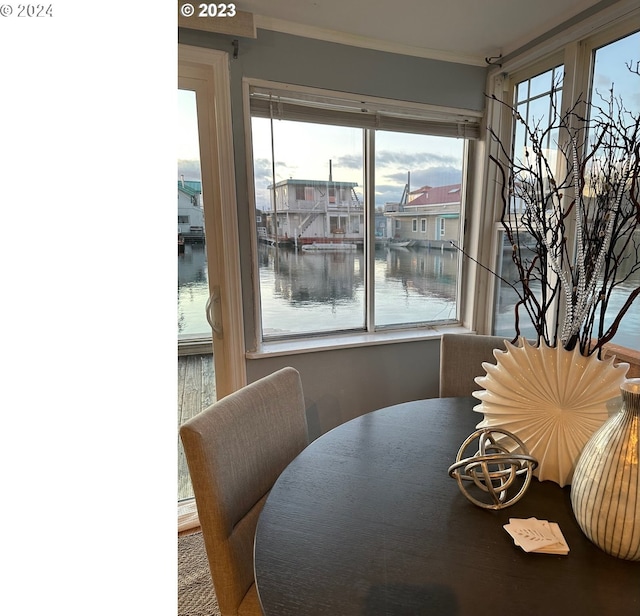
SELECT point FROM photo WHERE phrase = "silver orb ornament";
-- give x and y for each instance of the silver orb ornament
(501, 468)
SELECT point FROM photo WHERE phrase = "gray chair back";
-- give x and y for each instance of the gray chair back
(461, 357)
(235, 451)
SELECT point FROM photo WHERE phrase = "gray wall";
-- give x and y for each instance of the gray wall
(340, 384)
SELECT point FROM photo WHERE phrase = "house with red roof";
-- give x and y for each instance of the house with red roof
(430, 217)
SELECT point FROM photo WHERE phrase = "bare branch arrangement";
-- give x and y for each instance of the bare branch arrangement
(571, 213)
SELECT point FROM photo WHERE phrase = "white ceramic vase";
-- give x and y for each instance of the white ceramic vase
(550, 398)
(605, 493)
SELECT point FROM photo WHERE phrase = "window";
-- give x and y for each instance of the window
(423, 225)
(536, 94)
(610, 70)
(535, 100)
(322, 271)
(193, 282)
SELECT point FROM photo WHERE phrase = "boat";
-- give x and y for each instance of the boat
(400, 244)
(326, 246)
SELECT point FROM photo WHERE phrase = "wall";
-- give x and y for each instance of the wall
(340, 384)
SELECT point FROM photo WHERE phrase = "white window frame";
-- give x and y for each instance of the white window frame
(575, 51)
(386, 114)
(207, 73)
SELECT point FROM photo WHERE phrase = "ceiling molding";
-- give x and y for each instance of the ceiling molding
(334, 36)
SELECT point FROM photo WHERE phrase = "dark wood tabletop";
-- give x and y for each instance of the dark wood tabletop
(367, 521)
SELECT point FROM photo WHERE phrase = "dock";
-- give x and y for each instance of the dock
(196, 391)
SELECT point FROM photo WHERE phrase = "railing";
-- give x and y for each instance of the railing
(308, 206)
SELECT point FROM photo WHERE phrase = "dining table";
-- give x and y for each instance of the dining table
(367, 521)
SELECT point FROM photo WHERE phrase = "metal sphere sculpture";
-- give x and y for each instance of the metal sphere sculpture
(500, 459)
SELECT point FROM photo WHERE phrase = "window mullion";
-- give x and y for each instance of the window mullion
(369, 240)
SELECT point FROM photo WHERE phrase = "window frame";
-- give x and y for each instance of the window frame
(369, 334)
(577, 57)
(206, 72)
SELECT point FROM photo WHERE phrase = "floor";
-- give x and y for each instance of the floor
(196, 391)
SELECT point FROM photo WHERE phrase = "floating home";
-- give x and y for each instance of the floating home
(312, 212)
(430, 217)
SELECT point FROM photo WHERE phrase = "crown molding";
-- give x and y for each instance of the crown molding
(343, 38)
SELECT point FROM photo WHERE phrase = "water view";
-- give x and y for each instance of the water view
(628, 334)
(317, 292)
(305, 293)
(193, 291)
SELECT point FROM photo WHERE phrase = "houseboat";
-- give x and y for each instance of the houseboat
(428, 216)
(305, 212)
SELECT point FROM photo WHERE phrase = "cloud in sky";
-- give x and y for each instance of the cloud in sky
(432, 176)
(390, 158)
(435, 176)
(417, 159)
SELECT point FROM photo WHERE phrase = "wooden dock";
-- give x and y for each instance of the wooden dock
(196, 391)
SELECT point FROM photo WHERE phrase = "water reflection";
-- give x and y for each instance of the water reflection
(323, 292)
(628, 334)
(312, 278)
(193, 291)
(416, 285)
(412, 286)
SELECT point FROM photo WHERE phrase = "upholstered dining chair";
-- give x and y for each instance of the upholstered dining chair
(235, 450)
(461, 357)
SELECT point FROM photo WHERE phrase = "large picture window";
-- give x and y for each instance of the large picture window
(338, 194)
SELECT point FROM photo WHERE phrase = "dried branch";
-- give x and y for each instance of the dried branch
(596, 183)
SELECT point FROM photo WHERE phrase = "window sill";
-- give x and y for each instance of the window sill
(350, 340)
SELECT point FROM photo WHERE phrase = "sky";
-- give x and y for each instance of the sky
(610, 69)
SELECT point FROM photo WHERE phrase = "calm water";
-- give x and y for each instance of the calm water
(315, 292)
(628, 334)
(193, 291)
(310, 292)
(306, 292)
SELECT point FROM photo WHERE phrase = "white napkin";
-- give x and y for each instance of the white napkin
(538, 536)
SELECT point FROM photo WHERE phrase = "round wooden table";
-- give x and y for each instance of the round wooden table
(367, 521)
